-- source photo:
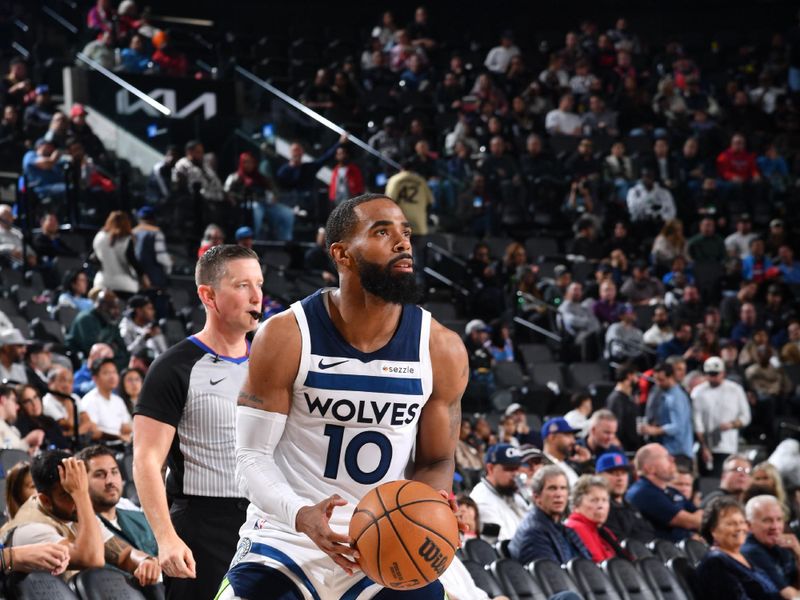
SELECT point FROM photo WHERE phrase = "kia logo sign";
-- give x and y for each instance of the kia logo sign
(128, 104)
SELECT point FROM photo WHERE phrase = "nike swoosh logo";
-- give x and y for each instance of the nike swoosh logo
(212, 382)
(323, 366)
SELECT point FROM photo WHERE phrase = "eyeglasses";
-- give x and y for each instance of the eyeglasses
(745, 470)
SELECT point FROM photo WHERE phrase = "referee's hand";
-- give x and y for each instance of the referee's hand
(176, 559)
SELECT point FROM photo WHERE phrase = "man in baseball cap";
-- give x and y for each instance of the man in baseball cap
(720, 410)
(500, 504)
(623, 519)
(13, 347)
(244, 237)
(558, 439)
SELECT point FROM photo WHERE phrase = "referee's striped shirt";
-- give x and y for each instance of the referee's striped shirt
(195, 390)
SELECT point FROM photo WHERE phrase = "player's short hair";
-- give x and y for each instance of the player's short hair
(44, 470)
(342, 219)
(212, 265)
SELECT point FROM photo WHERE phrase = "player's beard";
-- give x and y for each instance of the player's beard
(378, 280)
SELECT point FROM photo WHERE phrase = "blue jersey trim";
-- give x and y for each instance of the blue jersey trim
(237, 360)
(363, 383)
(357, 588)
(287, 562)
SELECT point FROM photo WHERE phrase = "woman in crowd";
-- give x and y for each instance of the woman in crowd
(724, 573)
(114, 248)
(765, 475)
(31, 417)
(75, 287)
(130, 386)
(590, 506)
(500, 344)
(19, 487)
(468, 514)
(669, 244)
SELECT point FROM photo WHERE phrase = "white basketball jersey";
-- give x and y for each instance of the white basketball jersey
(354, 415)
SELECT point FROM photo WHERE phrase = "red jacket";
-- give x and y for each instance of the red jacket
(732, 164)
(587, 530)
(355, 181)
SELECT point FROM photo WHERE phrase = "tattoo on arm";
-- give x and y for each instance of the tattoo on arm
(251, 400)
(114, 548)
(454, 412)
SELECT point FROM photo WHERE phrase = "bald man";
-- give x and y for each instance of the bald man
(673, 516)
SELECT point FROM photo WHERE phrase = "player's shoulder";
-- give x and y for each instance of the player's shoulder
(281, 326)
(445, 344)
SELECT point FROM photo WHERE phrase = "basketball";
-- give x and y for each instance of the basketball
(406, 534)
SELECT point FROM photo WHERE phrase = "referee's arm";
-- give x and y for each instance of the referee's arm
(151, 443)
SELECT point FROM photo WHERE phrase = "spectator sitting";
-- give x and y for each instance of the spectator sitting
(16, 84)
(624, 341)
(720, 410)
(62, 512)
(669, 414)
(31, 418)
(756, 264)
(212, 236)
(48, 242)
(672, 515)
(497, 495)
(663, 165)
(578, 320)
(641, 288)
(75, 286)
(12, 356)
(669, 244)
(120, 270)
(788, 266)
(522, 430)
(134, 58)
(43, 170)
(618, 170)
(499, 57)
(19, 487)
(624, 520)
(578, 417)
(318, 261)
(38, 115)
(99, 325)
(469, 461)
(101, 50)
(602, 437)
(10, 435)
(724, 572)
(118, 514)
(169, 60)
(607, 308)
(559, 447)
(590, 506)
(649, 202)
(139, 329)
(193, 176)
(81, 131)
(101, 16)
(562, 120)
(738, 243)
(159, 181)
(130, 387)
(61, 406)
(735, 164)
(661, 329)
(679, 344)
(745, 329)
(734, 481)
(749, 352)
(691, 307)
(707, 246)
(58, 130)
(297, 177)
(103, 406)
(768, 548)
(598, 120)
(541, 533)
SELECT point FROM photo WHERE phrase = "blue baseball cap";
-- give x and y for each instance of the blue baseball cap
(557, 425)
(611, 461)
(146, 212)
(503, 454)
(243, 233)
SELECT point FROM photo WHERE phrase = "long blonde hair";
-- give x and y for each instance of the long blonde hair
(672, 231)
(777, 481)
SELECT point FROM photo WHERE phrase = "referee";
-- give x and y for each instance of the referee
(186, 415)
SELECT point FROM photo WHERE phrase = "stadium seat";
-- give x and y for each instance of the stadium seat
(517, 583)
(62, 264)
(8, 307)
(179, 298)
(105, 583)
(533, 353)
(47, 330)
(34, 279)
(22, 293)
(544, 373)
(173, 330)
(664, 549)
(441, 311)
(685, 574)
(552, 577)
(40, 585)
(508, 375)
(276, 258)
(502, 399)
(644, 316)
(197, 319)
(480, 551)
(582, 374)
(22, 324)
(592, 582)
(497, 245)
(537, 247)
(501, 548)
(464, 244)
(65, 315)
(630, 584)
(483, 578)
(636, 548)
(694, 550)
(10, 457)
(661, 580)
(11, 277)
(34, 310)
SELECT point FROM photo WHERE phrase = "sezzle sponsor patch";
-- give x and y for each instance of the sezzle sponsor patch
(397, 369)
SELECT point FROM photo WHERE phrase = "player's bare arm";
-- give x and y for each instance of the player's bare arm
(274, 362)
(151, 443)
(435, 455)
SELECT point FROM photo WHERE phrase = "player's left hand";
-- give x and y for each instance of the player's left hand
(462, 527)
(148, 572)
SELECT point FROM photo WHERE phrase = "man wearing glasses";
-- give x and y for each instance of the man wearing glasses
(734, 481)
(720, 411)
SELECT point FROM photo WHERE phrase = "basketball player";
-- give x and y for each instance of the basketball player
(351, 388)
(187, 415)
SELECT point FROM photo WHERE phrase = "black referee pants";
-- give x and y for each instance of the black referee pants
(210, 527)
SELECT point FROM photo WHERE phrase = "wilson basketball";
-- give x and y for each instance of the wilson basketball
(406, 534)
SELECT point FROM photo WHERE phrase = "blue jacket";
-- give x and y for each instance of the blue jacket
(538, 536)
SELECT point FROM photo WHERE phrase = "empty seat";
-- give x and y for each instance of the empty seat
(46, 330)
(10, 457)
(694, 550)
(33, 310)
(480, 551)
(105, 583)
(62, 264)
(11, 277)
(501, 548)
(179, 298)
(552, 577)
(197, 319)
(173, 330)
(483, 578)
(502, 399)
(65, 315)
(40, 585)
(661, 580)
(581, 374)
(8, 307)
(544, 373)
(540, 246)
(636, 548)
(441, 311)
(508, 375)
(276, 258)
(592, 582)
(630, 584)
(517, 583)
(22, 293)
(664, 549)
(533, 353)
(685, 574)
(21, 324)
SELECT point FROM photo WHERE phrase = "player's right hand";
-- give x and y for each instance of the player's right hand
(176, 559)
(313, 521)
